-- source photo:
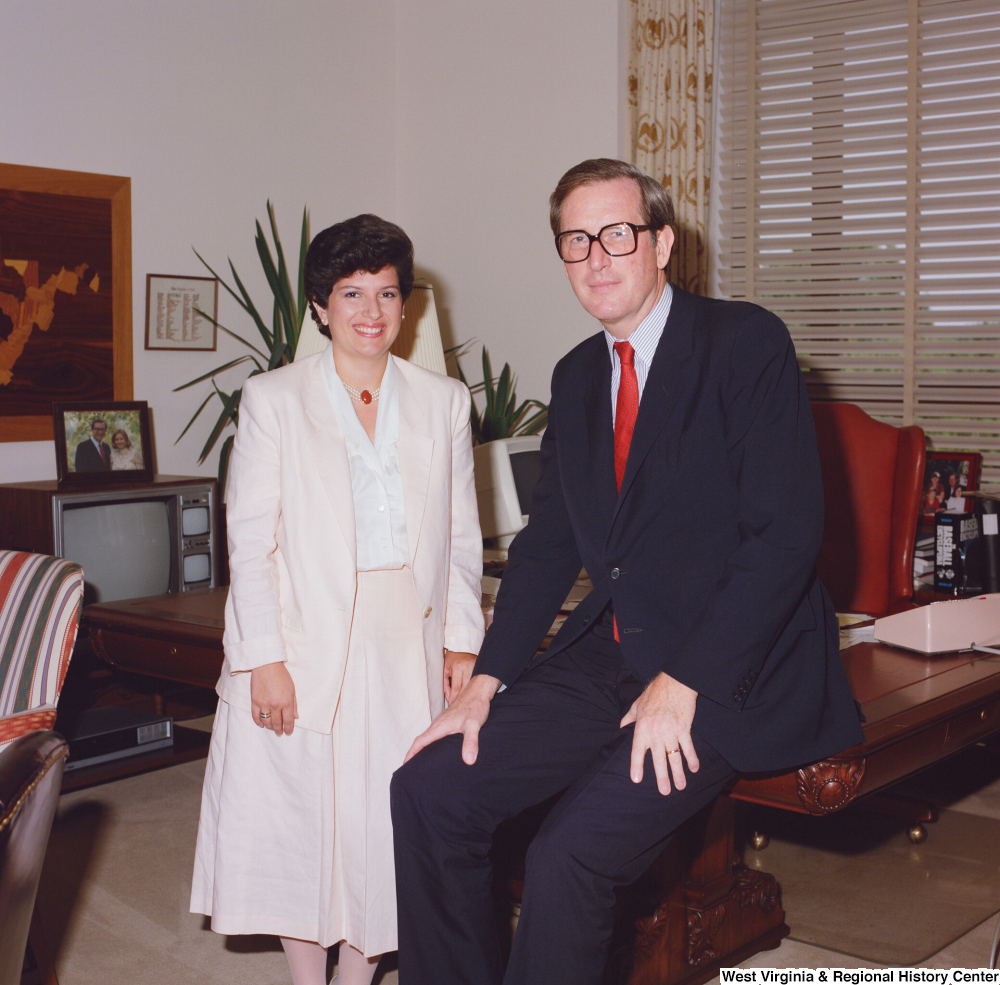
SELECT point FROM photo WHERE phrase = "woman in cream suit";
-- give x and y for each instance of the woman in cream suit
(353, 614)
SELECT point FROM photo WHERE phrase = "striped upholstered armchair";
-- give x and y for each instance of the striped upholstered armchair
(40, 601)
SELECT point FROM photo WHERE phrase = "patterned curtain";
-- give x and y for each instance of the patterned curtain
(670, 95)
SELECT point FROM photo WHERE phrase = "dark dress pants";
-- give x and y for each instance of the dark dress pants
(555, 728)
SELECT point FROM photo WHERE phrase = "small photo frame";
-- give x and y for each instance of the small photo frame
(948, 475)
(181, 312)
(102, 441)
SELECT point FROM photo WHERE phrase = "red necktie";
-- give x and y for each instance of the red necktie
(104, 455)
(626, 408)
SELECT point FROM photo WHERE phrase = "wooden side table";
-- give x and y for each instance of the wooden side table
(176, 637)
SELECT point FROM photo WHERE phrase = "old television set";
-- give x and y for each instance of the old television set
(132, 540)
(506, 474)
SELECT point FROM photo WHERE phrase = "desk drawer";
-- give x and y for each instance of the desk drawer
(972, 725)
(184, 662)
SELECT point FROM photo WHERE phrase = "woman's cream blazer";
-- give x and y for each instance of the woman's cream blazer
(292, 546)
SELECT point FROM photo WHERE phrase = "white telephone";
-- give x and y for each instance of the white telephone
(959, 624)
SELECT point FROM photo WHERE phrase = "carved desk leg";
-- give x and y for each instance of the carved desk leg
(714, 910)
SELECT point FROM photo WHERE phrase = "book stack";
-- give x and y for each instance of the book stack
(956, 567)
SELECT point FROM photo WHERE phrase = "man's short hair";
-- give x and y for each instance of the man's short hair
(95, 422)
(657, 209)
(366, 243)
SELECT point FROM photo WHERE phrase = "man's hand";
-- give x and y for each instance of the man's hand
(465, 716)
(273, 693)
(663, 714)
(457, 672)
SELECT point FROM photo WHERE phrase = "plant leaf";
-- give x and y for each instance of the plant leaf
(536, 422)
(204, 403)
(277, 276)
(227, 447)
(251, 309)
(218, 369)
(301, 281)
(239, 300)
(280, 351)
(244, 341)
(488, 390)
(230, 402)
(219, 324)
(284, 284)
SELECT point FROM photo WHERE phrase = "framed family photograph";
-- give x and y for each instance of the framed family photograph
(102, 441)
(948, 476)
(176, 310)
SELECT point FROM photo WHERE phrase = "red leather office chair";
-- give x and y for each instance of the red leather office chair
(872, 478)
(873, 474)
(31, 770)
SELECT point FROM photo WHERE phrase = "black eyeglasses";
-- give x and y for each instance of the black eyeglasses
(617, 240)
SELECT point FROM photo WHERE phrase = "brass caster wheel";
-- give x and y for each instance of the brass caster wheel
(917, 833)
(760, 841)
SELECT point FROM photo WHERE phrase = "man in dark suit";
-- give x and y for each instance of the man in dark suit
(93, 454)
(707, 645)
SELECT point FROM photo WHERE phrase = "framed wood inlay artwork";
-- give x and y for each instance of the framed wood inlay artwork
(65, 294)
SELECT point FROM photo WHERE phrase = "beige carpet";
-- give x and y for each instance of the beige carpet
(904, 902)
(115, 888)
(114, 892)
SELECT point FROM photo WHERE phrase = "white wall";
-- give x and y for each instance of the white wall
(454, 119)
(509, 96)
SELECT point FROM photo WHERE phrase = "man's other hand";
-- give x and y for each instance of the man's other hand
(663, 715)
(466, 716)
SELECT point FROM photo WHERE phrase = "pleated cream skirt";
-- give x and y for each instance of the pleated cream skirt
(295, 837)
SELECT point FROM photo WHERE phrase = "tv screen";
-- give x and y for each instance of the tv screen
(194, 521)
(124, 547)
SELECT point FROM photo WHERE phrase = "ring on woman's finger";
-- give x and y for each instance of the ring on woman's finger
(265, 715)
(670, 752)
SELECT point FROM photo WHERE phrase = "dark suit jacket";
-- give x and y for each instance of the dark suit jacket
(88, 458)
(719, 592)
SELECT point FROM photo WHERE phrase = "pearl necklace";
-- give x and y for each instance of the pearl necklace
(365, 396)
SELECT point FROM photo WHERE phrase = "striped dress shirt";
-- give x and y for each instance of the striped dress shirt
(644, 341)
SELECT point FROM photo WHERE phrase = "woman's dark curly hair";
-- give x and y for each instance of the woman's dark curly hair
(365, 242)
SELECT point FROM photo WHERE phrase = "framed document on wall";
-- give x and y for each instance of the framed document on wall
(176, 310)
(65, 294)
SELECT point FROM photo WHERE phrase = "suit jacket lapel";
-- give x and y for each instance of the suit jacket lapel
(600, 430)
(415, 450)
(329, 454)
(663, 385)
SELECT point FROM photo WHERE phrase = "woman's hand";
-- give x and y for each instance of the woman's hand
(457, 672)
(273, 693)
(466, 716)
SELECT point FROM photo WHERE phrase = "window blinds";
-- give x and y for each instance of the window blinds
(863, 203)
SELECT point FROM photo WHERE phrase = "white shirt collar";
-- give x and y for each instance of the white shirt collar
(646, 336)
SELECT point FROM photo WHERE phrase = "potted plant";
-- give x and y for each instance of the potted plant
(502, 416)
(280, 340)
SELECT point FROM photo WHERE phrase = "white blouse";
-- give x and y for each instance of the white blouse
(379, 509)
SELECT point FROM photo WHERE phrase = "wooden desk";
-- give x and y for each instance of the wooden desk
(707, 909)
(918, 710)
(176, 637)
